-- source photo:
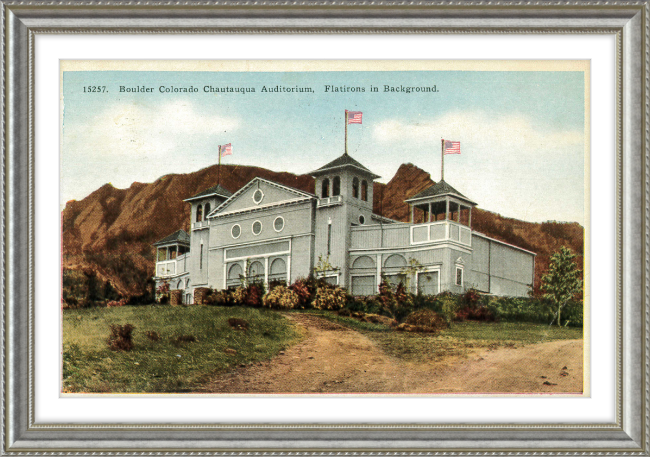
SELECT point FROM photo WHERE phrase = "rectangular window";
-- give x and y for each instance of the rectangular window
(329, 238)
(428, 282)
(459, 276)
(201, 259)
(363, 285)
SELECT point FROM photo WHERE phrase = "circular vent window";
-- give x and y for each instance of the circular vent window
(235, 231)
(257, 228)
(362, 220)
(258, 196)
(278, 224)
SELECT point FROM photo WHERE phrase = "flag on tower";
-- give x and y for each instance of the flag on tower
(226, 150)
(354, 117)
(452, 147)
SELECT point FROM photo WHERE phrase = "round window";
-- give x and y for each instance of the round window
(258, 196)
(235, 231)
(278, 224)
(257, 228)
(362, 220)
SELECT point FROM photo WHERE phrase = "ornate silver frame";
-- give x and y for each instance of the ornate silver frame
(629, 21)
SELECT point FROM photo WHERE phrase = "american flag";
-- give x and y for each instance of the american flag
(226, 150)
(354, 117)
(452, 147)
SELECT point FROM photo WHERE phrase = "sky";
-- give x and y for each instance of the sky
(522, 133)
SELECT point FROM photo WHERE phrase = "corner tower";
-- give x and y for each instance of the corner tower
(344, 188)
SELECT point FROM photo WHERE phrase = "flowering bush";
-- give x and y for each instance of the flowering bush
(281, 298)
(301, 289)
(330, 298)
(162, 292)
(248, 296)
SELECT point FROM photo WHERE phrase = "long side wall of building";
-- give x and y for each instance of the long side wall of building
(499, 268)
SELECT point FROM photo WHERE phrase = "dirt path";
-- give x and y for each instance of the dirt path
(333, 358)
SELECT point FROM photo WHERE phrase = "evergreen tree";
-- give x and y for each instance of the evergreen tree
(562, 281)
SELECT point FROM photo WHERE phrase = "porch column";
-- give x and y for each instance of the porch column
(429, 212)
(469, 221)
(447, 209)
(266, 272)
(412, 214)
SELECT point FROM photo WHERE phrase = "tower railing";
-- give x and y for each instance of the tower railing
(330, 201)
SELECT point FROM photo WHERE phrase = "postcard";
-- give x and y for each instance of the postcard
(324, 227)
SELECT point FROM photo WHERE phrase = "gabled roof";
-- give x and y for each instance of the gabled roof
(179, 236)
(214, 190)
(439, 189)
(343, 162)
(301, 194)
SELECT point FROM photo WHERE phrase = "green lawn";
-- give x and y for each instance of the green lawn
(458, 340)
(165, 365)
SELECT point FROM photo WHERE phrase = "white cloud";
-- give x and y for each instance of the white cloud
(508, 164)
(476, 130)
(136, 129)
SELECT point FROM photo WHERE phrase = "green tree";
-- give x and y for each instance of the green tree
(562, 281)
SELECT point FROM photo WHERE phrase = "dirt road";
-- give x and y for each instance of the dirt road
(333, 358)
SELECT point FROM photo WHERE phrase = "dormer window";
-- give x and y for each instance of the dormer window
(364, 190)
(336, 186)
(325, 188)
(355, 187)
(199, 213)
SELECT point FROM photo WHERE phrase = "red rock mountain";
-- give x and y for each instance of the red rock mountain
(111, 231)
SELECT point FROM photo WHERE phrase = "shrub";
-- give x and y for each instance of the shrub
(425, 320)
(302, 290)
(220, 298)
(281, 298)
(470, 298)
(121, 338)
(519, 309)
(249, 296)
(366, 305)
(330, 298)
(448, 306)
(162, 292)
(475, 314)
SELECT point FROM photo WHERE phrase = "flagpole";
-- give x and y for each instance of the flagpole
(219, 168)
(442, 161)
(346, 132)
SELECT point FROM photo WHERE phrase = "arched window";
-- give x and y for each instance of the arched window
(207, 210)
(256, 271)
(278, 267)
(355, 187)
(199, 213)
(336, 186)
(187, 283)
(364, 190)
(363, 262)
(235, 271)
(325, 188)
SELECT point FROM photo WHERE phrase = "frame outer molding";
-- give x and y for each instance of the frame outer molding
(18, 234)
(628, 19)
